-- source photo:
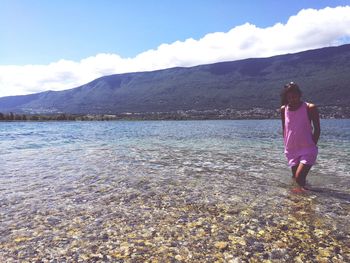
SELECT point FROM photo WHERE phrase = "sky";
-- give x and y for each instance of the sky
(62, 44)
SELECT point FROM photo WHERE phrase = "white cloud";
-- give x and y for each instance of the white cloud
(308, 29)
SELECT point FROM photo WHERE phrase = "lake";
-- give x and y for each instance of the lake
(169, 191)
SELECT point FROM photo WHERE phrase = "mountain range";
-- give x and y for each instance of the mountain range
(322, 74)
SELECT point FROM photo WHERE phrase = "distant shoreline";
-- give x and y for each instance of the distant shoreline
(326, 112)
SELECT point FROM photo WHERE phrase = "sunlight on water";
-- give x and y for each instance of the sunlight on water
(190, 191)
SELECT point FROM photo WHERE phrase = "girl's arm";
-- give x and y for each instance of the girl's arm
(315, 119)
(282, 118)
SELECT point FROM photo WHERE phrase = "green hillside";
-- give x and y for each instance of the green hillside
(323, 75)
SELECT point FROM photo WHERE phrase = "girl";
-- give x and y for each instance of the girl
(301, 131)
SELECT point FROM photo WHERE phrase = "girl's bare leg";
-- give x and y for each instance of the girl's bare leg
(301, 172)
(294, 171)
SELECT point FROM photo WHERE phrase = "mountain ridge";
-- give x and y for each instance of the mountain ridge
(323, 75)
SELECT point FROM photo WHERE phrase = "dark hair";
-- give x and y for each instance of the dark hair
(290, 87)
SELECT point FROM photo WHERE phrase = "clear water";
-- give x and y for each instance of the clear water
(135, 191)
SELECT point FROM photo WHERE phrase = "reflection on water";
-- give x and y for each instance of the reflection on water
(194, 191)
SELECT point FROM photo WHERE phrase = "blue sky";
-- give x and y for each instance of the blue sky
(43, 31)
(45, 36)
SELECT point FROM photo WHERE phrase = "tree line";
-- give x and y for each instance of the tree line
(53, 117)
(326, 112)
(176, 115)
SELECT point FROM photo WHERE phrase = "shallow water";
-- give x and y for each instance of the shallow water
(192, 191)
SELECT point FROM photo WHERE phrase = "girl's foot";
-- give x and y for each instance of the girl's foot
(300, 190)
(306, 188)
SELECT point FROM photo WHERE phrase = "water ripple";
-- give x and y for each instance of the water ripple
(65, 182)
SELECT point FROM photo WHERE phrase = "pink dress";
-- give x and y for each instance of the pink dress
(298, 140)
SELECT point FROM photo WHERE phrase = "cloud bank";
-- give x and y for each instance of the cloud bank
(308, 29)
